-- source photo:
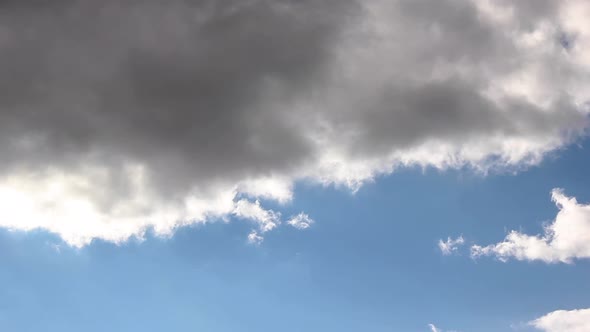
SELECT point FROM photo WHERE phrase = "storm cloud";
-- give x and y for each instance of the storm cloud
(117, 117)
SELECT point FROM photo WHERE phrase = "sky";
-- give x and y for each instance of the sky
(225, 165)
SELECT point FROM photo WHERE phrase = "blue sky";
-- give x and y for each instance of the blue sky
(369, 263)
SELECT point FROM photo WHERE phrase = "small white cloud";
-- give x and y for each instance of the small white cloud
(450, 246)
(254, 238)
(564, 321)
(266, 219)
(301, 221)
(565, 239)
(433, 328)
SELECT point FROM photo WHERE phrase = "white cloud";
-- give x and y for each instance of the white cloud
(450, 246)
(301, 221)
(279, 189)
(563, 240)
(254, 238)
(70, 205)
(564, 321)
(267, 220)
(433, 328)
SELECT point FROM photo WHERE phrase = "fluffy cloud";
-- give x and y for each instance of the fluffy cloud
(122, 117)
(562, 320)
(450, 246)
(565, 239)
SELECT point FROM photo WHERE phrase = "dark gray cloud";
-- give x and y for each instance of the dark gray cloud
(212, 96)
(200, 82)
(403, 117)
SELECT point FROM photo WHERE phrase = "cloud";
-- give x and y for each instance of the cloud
(112, 126)
(266, 219)
(450, 246)
(254, 238)
(565, 239)
(433, 328)
(562, 320)
(301, 221)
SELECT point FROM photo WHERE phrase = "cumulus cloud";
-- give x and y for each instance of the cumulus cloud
(123, 117)
(562, 320)
(563, 240)
(450, 246)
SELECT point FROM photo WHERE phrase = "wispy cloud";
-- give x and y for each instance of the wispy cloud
(301, 221)
(450, 246)
(254, 238)
(433, 328)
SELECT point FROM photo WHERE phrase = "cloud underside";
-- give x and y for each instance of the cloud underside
(122, 117)
(564, 239)
(563, 320)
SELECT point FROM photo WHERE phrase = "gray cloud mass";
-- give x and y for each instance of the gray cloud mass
(190, 88)
(206, 97)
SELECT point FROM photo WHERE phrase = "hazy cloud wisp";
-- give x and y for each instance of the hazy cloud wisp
(450, 246)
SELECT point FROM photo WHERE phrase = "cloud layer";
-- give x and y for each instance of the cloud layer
(121, 117)
(565, 239)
